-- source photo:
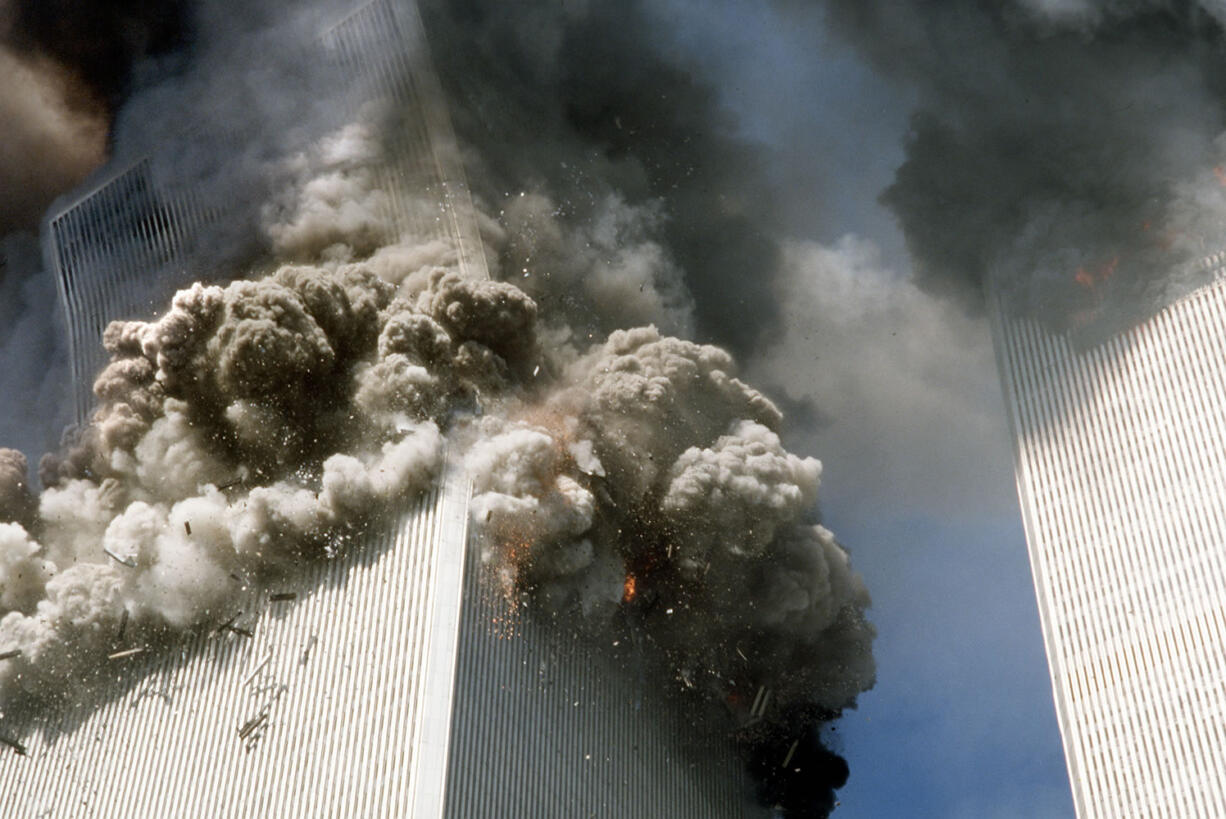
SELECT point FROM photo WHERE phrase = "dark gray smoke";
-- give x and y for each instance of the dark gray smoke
(1071, 149)
(623, 150)
(67, 67)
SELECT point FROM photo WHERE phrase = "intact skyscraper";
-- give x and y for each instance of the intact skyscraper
(1120, 453)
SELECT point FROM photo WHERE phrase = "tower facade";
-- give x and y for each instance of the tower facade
(1120, 455)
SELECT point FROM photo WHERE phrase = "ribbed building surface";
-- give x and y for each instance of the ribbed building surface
(325, 710)
(397, 682)
(117, 252)
(549, 724)
(382, 50)
(1121, 472)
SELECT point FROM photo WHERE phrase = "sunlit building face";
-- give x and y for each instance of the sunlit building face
(1121, 472)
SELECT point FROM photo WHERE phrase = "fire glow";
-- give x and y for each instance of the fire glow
(628, 589)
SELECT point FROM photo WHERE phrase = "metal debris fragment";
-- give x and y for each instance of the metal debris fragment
(128, 652)
(123, 625)
(131, 564)
(231, 484)
(150, 691)
(14, 744)
(256, 670)
(241, 631)
(791, 752)
(278, 597)
(306, 652)
(187, 526)
(249, 727)
(760, 702)
(8, 655)
(229, 623)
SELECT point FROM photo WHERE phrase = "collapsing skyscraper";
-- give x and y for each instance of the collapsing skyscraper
(1120, 451)
(395, 680)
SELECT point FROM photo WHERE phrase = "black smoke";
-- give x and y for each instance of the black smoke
(68, 67)
(100, 42)
(579, 101)
(795, 771)
(1071, 150)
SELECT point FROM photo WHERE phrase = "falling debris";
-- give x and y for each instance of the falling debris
(131, 652)
(259, 666)
(131, 564)
(306, 652)
(252, 725)
(758, 710)
(226, 625)
(280, 597)
(791, 752)
(14, 744)
(620, 475)
(8, 655)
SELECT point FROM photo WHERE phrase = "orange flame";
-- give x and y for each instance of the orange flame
(629, 588)
(1087, 278)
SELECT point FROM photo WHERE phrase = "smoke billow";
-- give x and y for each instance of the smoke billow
(623, 474)
(256, 427)
(1072, 150)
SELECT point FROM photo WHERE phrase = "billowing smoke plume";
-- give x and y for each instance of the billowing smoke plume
(1073, 149)
(259, 426)
(624, 473)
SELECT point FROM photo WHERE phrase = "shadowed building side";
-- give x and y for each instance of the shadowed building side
(117, 252)
(552, 724)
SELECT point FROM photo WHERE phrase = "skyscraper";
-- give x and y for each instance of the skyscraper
(394, 680)
(1120, 453)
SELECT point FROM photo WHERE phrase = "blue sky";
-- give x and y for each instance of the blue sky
(913, 438)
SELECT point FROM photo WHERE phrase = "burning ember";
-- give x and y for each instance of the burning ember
(628, 589)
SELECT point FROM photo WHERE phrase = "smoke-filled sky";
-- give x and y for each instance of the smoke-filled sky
(820, 187)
